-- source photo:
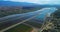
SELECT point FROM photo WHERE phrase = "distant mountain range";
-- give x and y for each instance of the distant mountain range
(10, 3)
(25, 4)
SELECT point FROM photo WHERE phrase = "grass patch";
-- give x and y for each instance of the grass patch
(20, 28)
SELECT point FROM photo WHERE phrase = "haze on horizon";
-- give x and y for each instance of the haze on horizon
(51, 2)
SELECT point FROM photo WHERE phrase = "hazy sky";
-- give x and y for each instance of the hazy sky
(38, 1)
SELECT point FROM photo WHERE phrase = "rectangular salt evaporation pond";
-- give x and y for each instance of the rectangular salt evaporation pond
(13, 20)
(38, 20)
(35, 22)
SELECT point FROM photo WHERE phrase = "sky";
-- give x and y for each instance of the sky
(38, 1)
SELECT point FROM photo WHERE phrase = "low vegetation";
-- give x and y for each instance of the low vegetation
(20, 28)
(4, 11)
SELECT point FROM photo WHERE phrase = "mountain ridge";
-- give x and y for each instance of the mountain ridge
(10, 3)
